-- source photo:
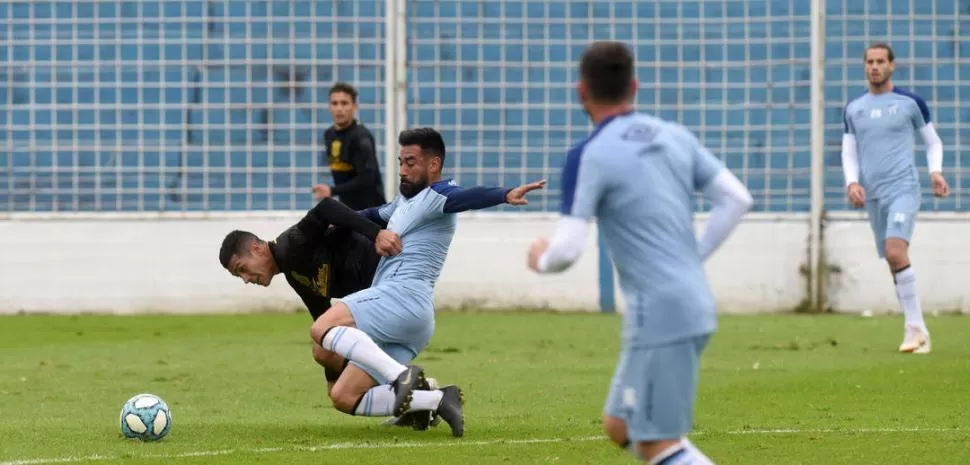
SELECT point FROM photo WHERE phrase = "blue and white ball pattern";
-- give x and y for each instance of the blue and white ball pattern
(146, 417)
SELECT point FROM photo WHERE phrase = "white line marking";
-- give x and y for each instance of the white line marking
(453, 443)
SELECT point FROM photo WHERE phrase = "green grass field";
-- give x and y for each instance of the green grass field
(781, 390)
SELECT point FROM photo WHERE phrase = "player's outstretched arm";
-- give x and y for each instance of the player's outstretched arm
(731, 200)
(477, 198)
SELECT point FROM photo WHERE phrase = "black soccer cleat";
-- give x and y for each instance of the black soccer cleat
(451, 409)
(406, 420)
(419, 420)
(404, 386)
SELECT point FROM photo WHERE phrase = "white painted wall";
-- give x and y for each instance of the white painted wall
(124, 264)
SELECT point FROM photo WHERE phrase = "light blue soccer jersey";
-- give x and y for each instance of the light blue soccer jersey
(426, 224)
(637, 176)
(883, 126)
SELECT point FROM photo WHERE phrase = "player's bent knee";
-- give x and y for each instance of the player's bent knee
(327, 359)
(616, 430)
(337, 315)
(350, 388)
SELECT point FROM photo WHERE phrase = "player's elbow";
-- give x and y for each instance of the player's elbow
(563, 260)
(745, 201)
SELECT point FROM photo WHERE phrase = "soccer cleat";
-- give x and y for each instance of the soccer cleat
(916, 340)
(404, 386)
(419, 421)
(450, 409)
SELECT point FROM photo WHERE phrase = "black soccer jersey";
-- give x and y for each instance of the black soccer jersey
(352, 158)
(329, 253)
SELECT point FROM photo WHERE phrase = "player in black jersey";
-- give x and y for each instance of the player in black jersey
(351, 155)
(330, 253)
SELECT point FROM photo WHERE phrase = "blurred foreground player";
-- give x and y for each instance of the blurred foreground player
(381, 327)
(351, 155)
(637, 176)
(880, 174)
(330, 253)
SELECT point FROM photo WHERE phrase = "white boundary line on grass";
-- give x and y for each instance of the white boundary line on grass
(454, 443)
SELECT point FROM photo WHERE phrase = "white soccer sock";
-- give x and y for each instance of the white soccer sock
(353, 344)
(666, 454)
(908, 298)
(377, 402)
(682, 453)
(696, 456)
(425, 400)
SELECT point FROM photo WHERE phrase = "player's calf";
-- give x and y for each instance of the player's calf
(356, 393)
(915, 334)
(660, 452)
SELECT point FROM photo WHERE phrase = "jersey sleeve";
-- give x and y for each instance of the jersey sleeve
(583, 184)
(706, 165)
(457, 199)
(921, 114)
(380, 215)
(329, 212)
(847, 127)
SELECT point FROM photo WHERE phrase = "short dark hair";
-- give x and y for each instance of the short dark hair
(235, 243)
(607, 69)
(883, 46)
(428, 139)
(345, 88)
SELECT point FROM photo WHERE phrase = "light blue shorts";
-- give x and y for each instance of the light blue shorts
(399, 319)
(653, 389)
(894, 217)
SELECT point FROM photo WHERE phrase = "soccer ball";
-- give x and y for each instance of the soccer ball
(146, 417)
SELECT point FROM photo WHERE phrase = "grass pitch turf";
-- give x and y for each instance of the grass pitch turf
(779, 390)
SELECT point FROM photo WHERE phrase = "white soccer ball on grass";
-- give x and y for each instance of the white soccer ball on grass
(146, 417)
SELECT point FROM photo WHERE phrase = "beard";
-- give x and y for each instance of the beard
(881, 81)
(410, 189)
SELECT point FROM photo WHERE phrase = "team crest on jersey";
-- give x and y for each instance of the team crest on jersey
(320, 285)
(336, 164)
(323, 280)
(893, 108)
(303, 280)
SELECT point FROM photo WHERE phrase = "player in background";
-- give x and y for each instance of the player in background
(330, 253)
(637, 175)
(880, 174)
(351, 155)
(382, 328)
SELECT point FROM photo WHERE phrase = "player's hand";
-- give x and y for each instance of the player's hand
(517, 196)
(321, 191)
(536, 250)
(857, 195)
(940, 186)
(388, 243)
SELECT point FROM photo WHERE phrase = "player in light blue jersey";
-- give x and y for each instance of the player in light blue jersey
(382, 328)
(637, 175)
(880, 174)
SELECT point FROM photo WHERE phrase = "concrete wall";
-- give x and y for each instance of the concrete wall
(168, 263)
